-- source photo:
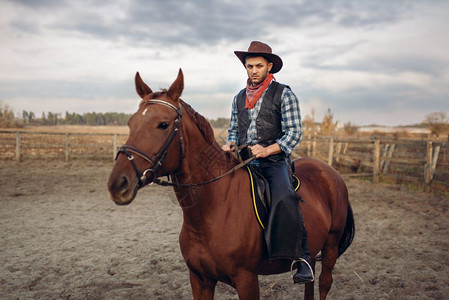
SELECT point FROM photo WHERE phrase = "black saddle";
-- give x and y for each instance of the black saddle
(260, 193)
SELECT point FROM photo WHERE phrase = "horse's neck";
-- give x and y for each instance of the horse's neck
(203, 161)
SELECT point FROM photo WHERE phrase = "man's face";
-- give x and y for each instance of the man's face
(257, 69)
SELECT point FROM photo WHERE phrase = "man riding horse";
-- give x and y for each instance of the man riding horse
(266, 116)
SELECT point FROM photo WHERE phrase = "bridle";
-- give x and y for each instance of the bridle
(156, 162)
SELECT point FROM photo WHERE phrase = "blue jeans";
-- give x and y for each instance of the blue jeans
(285, 234)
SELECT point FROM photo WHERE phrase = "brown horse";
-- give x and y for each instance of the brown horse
(220, 238)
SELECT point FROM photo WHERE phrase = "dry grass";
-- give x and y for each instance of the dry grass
(72, 129)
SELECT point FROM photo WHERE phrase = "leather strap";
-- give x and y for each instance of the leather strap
(168, 183)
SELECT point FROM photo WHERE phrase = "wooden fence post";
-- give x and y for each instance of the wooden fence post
(114, 145)
(436, 152)
(428, 166)
(314, 145)
(376, 161)
(345, 149)
(337, 156)
(388, 154)
(383, 154)
(309, 145)
(18, 150)
(67, 152)
(331, 152)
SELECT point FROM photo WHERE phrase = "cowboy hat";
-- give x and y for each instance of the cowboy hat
(264, 50)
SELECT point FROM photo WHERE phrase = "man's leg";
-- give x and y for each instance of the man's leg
(285, 234)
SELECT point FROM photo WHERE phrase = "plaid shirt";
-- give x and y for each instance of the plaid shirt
(290, 122)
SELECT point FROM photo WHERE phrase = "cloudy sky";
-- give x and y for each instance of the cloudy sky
(369, 61)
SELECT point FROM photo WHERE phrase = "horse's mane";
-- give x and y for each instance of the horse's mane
(201, 122)
(204, 127)
(207, 132)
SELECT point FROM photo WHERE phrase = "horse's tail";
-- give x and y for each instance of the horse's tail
(348, 233)
(347, 236)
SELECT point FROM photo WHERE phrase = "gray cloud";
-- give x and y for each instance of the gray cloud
(370, 13)
(147, 30)
(191, 23)
(393, 62)
(55, 89)
(40, 4)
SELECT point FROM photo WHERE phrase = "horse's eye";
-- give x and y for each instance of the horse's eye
(163, 125)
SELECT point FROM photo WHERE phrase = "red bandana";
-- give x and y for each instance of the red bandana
(253, 93)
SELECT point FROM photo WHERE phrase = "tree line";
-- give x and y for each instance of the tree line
(9, 119)
(91, 118)
(436, 122)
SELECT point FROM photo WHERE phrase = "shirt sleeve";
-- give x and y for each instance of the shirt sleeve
(290, 122)
(233, 130)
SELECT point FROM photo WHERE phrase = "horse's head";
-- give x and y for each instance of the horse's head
(154, 146)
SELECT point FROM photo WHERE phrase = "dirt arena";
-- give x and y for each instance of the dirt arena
(63, 238)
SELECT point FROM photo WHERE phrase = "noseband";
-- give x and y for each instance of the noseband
(157, 161)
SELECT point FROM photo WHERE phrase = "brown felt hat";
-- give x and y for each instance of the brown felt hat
(264, 50)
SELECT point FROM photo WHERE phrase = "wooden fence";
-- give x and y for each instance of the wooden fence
(21, 145)
(419, 161)
(415, 161)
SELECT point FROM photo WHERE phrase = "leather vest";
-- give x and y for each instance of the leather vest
(268, 121)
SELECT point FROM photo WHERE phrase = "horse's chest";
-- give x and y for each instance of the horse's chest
(204, 259)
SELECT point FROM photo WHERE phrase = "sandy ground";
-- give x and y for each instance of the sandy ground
(62, 238)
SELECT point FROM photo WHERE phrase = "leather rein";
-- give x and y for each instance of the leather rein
(156, 162)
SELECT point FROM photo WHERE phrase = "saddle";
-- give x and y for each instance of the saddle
(260, 188)
(260, 194)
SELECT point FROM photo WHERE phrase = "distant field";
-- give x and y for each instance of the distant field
(220, 133)
(72, 129)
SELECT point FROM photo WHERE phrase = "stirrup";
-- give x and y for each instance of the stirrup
(301, 260)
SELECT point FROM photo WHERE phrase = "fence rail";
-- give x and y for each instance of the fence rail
(21, 145)
(421, 161)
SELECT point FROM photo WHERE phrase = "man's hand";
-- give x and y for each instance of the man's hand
(260, 151)
(229, 147)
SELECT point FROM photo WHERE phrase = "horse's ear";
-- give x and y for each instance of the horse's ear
(175, 90)
(141, 87)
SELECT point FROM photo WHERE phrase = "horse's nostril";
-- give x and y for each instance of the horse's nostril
(124, 183)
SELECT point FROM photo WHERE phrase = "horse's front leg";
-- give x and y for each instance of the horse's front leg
(309, 288)
(202, 288)
(247, 285)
